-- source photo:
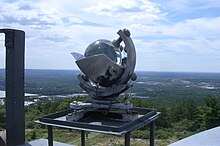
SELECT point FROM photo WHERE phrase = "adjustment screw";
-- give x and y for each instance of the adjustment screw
(127, 32)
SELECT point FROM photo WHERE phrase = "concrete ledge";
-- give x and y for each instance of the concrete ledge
(206, 138)
(2, 138)
(44, 142)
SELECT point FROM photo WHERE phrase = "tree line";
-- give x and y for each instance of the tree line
(175, 122)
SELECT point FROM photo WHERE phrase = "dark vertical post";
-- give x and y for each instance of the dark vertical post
(15, 126)
(127, 139)
(50, 135)
(83, 138)
(152, 130)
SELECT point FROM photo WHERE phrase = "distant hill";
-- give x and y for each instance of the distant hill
(168, 87)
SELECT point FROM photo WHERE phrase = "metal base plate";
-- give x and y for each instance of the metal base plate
(94, 124)
(96, 105)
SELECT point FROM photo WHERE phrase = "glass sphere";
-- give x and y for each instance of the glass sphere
(105, 47)
(101, 47)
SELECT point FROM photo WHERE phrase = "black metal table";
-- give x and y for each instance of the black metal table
(107, 126)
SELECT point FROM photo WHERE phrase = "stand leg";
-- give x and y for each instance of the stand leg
(83, 138)
(127, 139)
(152, 130)
(50, 136)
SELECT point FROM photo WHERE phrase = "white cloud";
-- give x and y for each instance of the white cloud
(188, 5)
(26, 13)
(200, 34)
(54, 29)
(127, 10)
(143, 30)
(195, 40)
(75, 20)
(199, 27)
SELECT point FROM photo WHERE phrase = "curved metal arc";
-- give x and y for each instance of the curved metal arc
(131, 58)
(113, 91)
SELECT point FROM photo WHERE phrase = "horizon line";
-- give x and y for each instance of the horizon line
(215, 72)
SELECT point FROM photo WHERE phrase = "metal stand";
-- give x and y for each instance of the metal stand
(101, 124)
(126, 136)
(15, 125)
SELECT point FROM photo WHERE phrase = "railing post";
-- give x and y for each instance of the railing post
(15, 125)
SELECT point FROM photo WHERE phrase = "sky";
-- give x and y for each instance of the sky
(169, 35)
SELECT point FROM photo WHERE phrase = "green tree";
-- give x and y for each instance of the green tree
(2, 117)
(212, 111)
(186, 110)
